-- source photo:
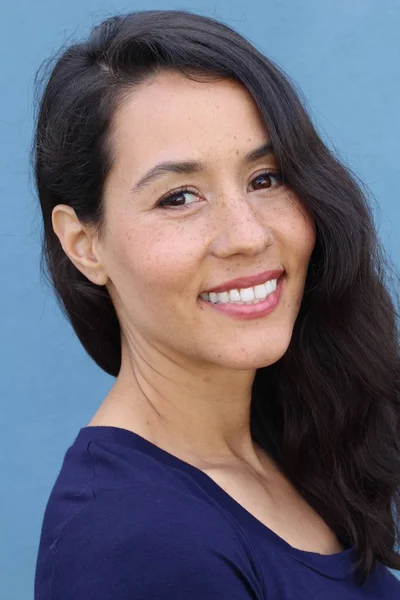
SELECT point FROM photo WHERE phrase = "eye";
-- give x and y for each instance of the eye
(268, 176)
(177, 199)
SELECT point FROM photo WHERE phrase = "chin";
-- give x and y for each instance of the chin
(250, 359)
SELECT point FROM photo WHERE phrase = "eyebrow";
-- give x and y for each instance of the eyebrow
(189, 167)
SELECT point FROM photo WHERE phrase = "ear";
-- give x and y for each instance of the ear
(78, 243)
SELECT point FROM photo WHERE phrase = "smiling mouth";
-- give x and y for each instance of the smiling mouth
(256, 308)
(250, 295)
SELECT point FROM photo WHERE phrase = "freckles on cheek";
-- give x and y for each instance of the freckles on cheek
(300, 228)
(164, 260)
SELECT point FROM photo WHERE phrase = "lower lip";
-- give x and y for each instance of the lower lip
(250, 311)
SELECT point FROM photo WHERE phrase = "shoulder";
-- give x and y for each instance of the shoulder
(150, 542)
(126, 515)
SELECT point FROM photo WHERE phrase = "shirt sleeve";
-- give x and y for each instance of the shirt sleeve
(122, 549)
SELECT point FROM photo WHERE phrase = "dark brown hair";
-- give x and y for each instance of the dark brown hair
(329, 409)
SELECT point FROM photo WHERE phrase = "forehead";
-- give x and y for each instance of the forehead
(169, 113)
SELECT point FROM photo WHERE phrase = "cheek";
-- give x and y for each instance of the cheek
(296, 231)
(155, 259)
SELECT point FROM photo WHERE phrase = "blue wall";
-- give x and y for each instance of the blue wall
(344, 56)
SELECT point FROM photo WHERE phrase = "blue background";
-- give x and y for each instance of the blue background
(345, 58)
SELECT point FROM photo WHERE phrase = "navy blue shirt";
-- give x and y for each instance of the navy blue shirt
(127, 520)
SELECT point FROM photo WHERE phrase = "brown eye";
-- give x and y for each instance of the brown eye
(268, 180)
(174, 200)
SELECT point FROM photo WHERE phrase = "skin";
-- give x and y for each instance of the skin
(187, 369)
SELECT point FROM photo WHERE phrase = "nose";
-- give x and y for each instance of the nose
(240, 228)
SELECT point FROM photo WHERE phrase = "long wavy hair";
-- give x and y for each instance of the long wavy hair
(328, 410)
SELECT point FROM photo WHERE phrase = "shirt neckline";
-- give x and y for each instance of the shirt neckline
(336, 566)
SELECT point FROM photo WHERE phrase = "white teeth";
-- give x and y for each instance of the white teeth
(272, 285)
(213, 297)
(250, 295)
(223, 297)
(234, 296)
(247, 294)
(260, 291)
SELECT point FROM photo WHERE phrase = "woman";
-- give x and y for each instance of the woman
(214, 257)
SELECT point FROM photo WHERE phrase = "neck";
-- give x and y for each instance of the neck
(203, 411)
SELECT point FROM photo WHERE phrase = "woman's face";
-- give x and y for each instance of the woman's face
(233, 221)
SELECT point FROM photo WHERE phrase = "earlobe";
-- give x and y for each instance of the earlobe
(78, 243)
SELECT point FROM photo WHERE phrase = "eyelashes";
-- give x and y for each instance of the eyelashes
(167, 201)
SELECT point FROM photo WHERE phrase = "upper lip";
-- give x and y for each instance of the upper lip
(246, 282)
